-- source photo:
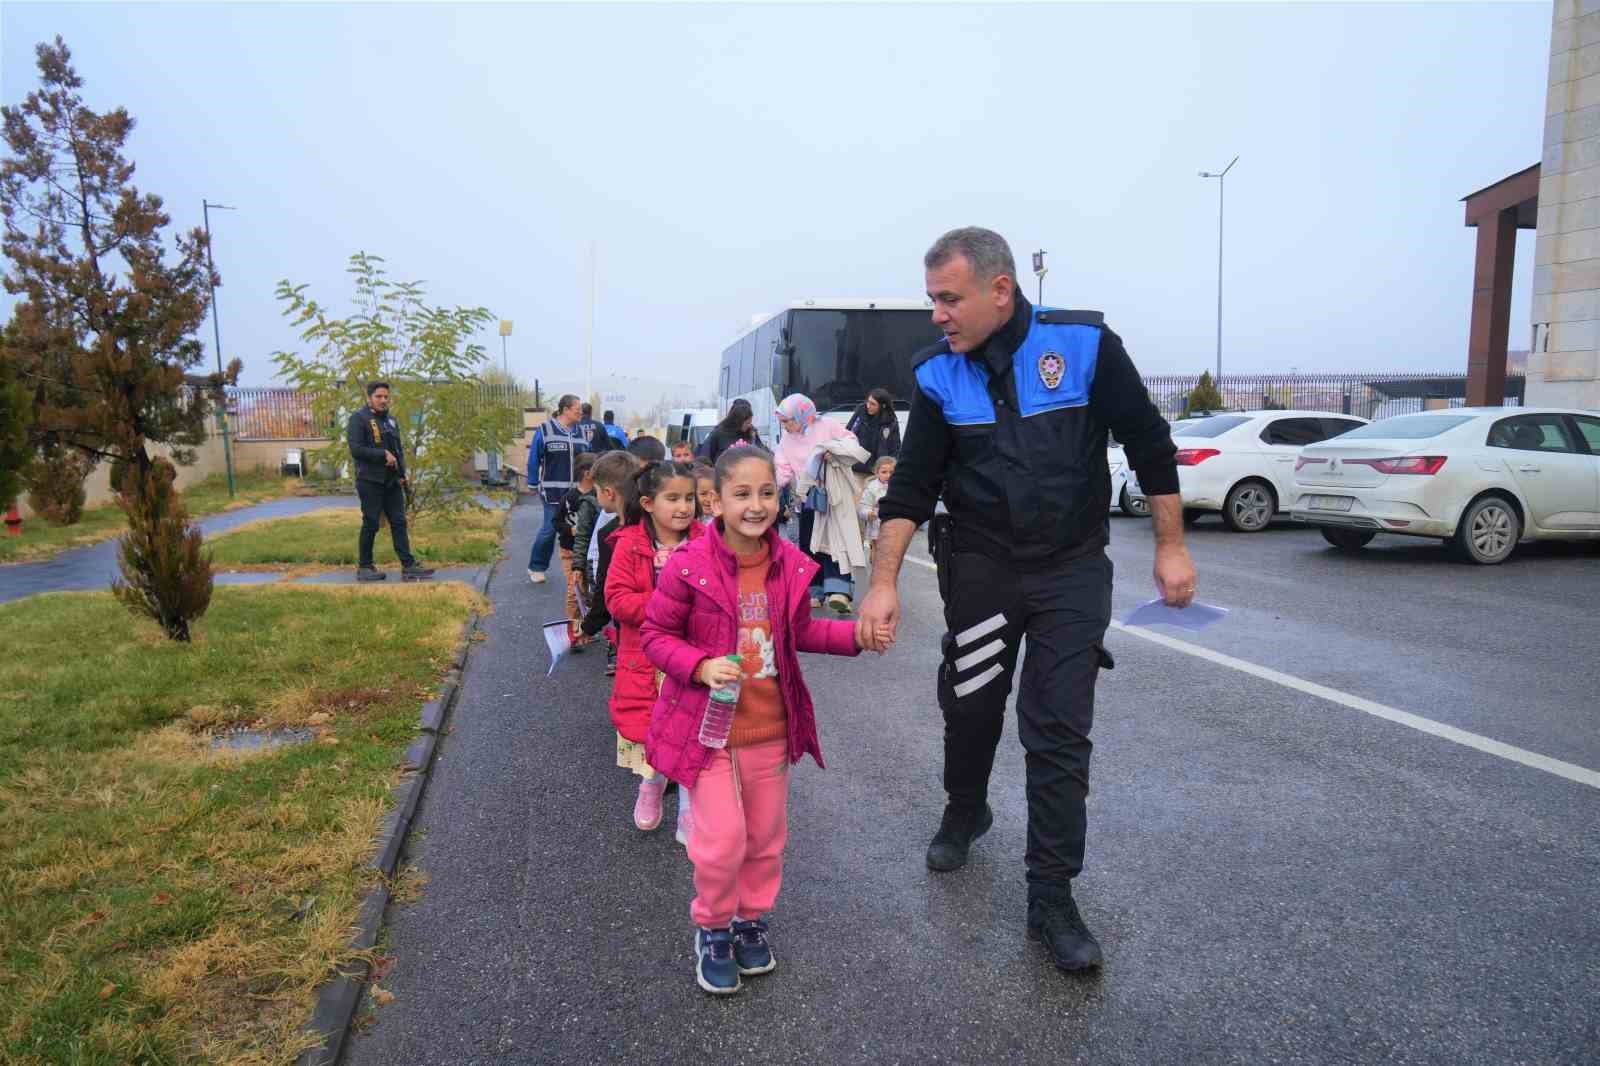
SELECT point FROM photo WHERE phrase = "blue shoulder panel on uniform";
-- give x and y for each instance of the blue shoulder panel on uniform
(960, 386)
(1055, 366)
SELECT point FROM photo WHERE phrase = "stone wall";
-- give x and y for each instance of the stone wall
(1564, 367)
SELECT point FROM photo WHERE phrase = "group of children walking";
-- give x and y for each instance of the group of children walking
(703, 607)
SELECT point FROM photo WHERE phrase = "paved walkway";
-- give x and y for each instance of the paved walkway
(94, 566)
(1275, 878)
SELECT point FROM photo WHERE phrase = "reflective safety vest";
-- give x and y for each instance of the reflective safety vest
(557, 449)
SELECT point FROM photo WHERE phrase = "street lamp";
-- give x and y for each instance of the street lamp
(505, 360)
(206, 208)
(1221, 185)
(1039, 271)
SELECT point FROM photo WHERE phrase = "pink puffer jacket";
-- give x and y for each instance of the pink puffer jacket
(693, 616)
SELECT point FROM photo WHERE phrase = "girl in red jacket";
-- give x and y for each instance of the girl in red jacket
(740, 589)
(659, 516)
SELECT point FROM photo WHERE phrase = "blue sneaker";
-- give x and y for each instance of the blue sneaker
(715, 969)
(750, 948)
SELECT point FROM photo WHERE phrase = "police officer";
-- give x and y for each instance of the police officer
(556, 445)
(381, 483)
(1008, 425)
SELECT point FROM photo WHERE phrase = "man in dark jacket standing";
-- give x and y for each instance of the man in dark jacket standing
(1008, 426)
(374, 439)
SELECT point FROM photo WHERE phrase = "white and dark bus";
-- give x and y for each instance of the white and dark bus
(834, 351)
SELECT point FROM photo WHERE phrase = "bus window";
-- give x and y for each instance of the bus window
(839, 355)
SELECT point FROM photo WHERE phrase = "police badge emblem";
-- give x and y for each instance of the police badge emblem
(1051, 369)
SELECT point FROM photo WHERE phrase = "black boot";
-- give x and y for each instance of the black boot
(1053, 918)
(370, 573)
(957, 830)
(415, 572)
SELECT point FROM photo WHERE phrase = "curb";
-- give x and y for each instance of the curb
(339, 998)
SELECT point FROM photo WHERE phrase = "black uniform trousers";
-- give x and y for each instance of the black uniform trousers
(383, 499)
(1062, 610)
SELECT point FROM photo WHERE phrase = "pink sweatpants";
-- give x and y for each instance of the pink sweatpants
(741, 822)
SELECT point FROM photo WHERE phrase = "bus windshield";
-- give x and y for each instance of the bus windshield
(836, 357)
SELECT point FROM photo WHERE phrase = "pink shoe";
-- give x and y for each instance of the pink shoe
(647, 808)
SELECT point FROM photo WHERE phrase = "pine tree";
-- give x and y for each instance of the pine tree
(1204, 397)
(107, 324)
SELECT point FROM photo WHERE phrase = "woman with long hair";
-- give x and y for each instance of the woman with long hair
(876, 429)
(738, 427)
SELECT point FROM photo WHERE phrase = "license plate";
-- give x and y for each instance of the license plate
(1331, 503)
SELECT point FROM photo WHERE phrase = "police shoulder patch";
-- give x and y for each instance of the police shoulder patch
(1071, 318)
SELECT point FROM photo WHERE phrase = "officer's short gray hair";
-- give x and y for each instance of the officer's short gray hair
(985, 249)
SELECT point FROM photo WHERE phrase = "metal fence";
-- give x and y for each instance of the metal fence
(288, 414)
(1371, 395)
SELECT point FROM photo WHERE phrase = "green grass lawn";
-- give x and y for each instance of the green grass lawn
(165, 902)
(329, 539)
(40, 539)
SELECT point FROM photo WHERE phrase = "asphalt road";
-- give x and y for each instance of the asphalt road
(1276, 877)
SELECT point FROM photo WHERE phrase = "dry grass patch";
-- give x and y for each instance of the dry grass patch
(329, 539)
(164, 900)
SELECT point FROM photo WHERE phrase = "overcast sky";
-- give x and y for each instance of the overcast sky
(730, 159)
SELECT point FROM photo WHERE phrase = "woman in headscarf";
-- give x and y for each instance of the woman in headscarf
(737, 427)
(814, 457)
(876, 429)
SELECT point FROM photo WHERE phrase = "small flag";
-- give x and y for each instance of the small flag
(558, 636)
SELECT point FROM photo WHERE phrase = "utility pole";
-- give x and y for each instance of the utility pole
(1039, 271)
(206, 207)
(588, 333)
(1221, 186)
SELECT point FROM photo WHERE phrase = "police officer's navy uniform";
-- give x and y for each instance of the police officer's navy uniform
(551, 464)
(378, 485)
(1012, 437)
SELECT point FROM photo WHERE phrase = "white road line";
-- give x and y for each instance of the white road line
(1571, 771)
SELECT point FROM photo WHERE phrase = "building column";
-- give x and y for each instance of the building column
(1491, 309)
(1564, 367)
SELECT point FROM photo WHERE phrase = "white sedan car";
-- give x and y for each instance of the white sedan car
(1242, 464)
(1121, 478)
(1483, 478)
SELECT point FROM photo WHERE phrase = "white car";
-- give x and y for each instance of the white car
(1121, 477)
(1483, 478)
(1242, 464)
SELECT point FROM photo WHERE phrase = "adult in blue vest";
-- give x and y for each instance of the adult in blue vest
(556, 446)
(609, 424)
(1008, 426)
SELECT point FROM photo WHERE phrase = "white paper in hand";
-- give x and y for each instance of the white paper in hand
(1194, 617)
(558, 636)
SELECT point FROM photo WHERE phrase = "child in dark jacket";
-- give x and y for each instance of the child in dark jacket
(566, 526)
(660, 517)
(591, 555)
(740, 589)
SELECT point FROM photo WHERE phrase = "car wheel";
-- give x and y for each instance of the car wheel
(1348, 539)
(1191, 515)
(1488, 531)
(1138, 508)
(1249, 506)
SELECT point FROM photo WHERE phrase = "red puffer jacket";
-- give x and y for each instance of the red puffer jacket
(629, 583)
(694, 616)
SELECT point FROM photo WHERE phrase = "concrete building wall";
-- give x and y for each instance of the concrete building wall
(1564, 367)
(97, 486)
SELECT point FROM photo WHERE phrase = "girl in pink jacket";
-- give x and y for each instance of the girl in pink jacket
(740, 590)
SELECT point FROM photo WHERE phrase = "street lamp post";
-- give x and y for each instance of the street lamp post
(206, 207)
(1039, 271)
(505, 359)
(1221, 185)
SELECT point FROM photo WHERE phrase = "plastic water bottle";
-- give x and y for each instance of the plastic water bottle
(718, 722)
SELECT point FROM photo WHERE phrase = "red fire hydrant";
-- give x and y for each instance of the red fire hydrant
(14, 520)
